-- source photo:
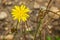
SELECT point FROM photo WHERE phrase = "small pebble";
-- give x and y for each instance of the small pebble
(1, 36)
(9, 37)
(54, 9)
(55, 23)
(8, 3)
(39, 1)
(43, 8)
(52, 15)
(0, 1)
(3, 15)
(36, 5)
(28, 29)
(6, 28)
(49, 26)
(56, 16)
(58, 13)
(50, 31)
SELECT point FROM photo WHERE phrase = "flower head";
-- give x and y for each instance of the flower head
(20, 13)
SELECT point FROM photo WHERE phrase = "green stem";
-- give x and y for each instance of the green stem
(39, 23)
(17, 26)
(37, 30)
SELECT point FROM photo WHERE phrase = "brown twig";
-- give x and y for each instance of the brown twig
(40, 25)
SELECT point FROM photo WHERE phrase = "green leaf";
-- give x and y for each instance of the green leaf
(57, 38)
(48, 38)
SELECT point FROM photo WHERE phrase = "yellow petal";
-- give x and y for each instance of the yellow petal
(27, 10)
(13, 10)
(14, 18)
(24, 19)
(17, 8)
(20, 13)
(19, 19)
(26, 15)
(23, 7)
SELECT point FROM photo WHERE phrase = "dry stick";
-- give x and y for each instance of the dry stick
(47, 22)
(16, 29)
(40, 24)
(53, 12)
(48, 6)
(17, 26)
(23, 31)
(50, 17)
(37, 27)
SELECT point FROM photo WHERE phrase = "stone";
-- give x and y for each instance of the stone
(1, 36)
(0, 1)
(50, 26)
(28, 29)
(3, 15)
(55, 23)
(6, 28)
(58, 13)
(54, 16)
(54, 9)
(50, 14)
(43, 8)
(39, 1)
(9, 37)
(8, 3)
(36, 5)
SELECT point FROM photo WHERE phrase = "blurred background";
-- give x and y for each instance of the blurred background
(43, 24)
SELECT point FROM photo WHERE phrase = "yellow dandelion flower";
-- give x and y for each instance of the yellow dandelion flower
(20, 13)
